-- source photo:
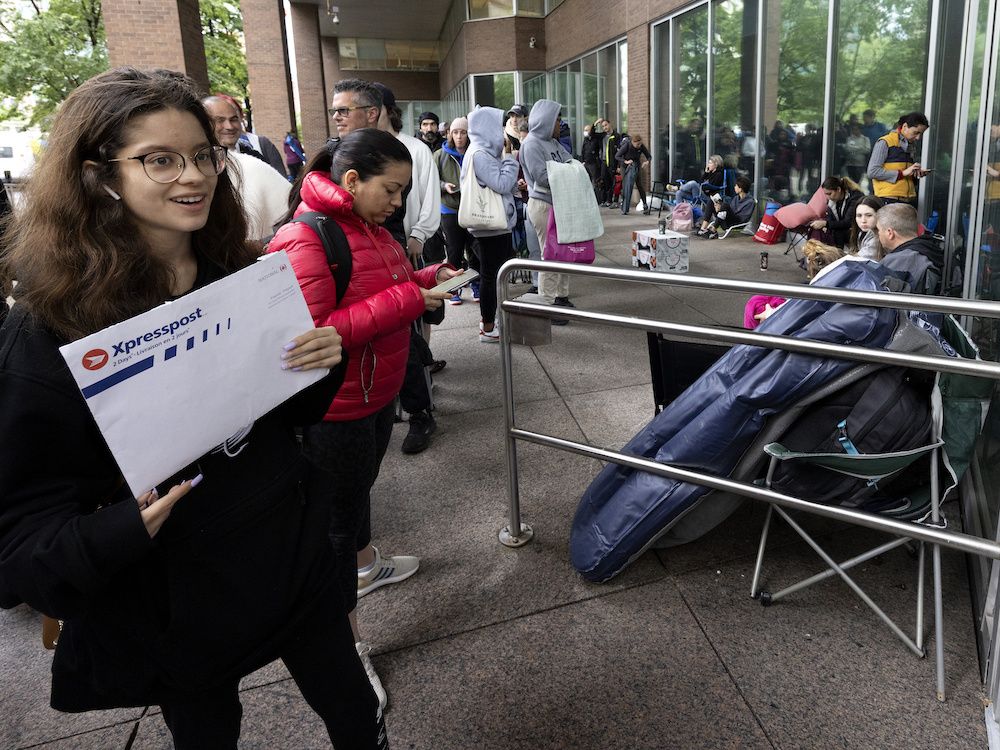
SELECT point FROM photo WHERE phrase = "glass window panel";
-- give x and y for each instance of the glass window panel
(490, 8)
(734, 95)
(609, 105)
(534, 8)
(590, 85)
(795, 78)
(623, 85)
(872, 33)
(937, 145)
(661, 102)
(533, 88)
(690, 66)
(495, 90)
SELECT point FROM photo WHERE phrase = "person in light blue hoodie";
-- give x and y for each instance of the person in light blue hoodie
(491, 155)
(539, 147)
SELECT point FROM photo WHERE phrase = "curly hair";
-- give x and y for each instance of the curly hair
(80, 262)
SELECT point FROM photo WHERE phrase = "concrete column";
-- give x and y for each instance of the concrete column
(156, 34)
(638, 62)
(267, 65)
(309, 72)
(330, 48)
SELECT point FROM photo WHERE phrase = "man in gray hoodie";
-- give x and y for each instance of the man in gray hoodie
(538, 148)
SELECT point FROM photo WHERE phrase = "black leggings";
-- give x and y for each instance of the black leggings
(493, 253)
(348, 456)
(459, 242)
(321, 658)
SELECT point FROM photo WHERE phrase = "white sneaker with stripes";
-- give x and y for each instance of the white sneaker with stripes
(386, 570)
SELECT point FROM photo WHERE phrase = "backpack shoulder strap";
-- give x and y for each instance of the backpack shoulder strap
(338, 251)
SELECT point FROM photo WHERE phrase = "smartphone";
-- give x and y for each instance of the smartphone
(456, 282)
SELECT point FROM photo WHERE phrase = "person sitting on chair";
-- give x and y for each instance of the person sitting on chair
(723, 213)
(711, 182)
(918, 260)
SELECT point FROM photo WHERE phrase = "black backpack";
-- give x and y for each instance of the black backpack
(338, 251)
(886, 411)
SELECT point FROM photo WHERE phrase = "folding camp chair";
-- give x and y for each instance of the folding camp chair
(666, 197)
(958, 410)
(733, 228)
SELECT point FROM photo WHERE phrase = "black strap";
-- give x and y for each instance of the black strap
(338, 251)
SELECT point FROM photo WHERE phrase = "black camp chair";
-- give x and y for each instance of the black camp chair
(949, 448)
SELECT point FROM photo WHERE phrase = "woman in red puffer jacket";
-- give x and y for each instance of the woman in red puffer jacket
(359, 183)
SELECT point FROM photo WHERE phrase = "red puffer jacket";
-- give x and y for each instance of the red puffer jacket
(381, 301)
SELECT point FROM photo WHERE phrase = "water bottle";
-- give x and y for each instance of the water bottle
(763, 260)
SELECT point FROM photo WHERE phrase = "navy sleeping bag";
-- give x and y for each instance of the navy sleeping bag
(709, 426)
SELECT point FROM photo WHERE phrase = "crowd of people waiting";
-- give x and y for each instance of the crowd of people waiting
(147, 192)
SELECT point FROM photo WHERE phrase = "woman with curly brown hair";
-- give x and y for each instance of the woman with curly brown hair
(165, 599)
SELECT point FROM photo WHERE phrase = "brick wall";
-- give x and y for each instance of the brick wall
(267, 66)
(156, 34)
(309, 73)
(492, 46)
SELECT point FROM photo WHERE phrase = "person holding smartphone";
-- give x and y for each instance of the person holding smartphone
(358, 182)
(892, 168)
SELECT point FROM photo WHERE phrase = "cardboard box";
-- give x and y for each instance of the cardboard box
(666, 253)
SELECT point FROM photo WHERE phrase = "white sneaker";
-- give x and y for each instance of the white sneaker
(387, 570)
(489, 337)
(363, 653)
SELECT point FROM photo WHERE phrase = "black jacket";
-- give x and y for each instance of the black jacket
(629, 152)
(590, 151)
(840, 218)
(241, 559)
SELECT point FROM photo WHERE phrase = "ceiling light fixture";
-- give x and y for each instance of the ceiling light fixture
(333, 11)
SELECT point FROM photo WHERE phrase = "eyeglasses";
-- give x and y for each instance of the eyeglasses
(168, 166)
(345, 111)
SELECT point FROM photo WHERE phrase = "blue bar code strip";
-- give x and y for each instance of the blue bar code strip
(190, 343)
(169, 353)
(112, 380)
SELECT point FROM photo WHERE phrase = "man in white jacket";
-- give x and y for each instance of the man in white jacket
(423, 203)
(421, 218)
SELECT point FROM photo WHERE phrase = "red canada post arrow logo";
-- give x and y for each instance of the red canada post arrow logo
(95, 359)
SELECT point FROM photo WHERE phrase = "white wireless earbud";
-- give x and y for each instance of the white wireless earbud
(111, 192)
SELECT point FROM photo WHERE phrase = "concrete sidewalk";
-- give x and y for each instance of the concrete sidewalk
(488, 647)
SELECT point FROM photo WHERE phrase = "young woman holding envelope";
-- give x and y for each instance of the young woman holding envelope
(172, 597)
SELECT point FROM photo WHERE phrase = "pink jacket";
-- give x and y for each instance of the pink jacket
(381, 301)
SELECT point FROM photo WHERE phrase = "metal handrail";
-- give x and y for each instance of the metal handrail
(516, 533)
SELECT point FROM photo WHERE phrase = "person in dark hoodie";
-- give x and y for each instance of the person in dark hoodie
(919, 261)
(541, 146)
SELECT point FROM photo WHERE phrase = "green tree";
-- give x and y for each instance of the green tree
(46, 53)
(222, 29)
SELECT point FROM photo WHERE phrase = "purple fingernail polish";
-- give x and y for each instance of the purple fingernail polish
(296, 369)
(285, 355)
(197, 480)
(156, 495)
(290, 345)
(284, 365)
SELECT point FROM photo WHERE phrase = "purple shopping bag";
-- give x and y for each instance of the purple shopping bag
(576, 252)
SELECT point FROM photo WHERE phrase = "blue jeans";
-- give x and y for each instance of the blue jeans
(690, 192)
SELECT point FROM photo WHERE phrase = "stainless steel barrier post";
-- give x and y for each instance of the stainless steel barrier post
(515, 533)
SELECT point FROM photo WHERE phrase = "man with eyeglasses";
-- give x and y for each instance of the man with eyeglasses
(356, 104)
(263, 188)
(227, 120)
